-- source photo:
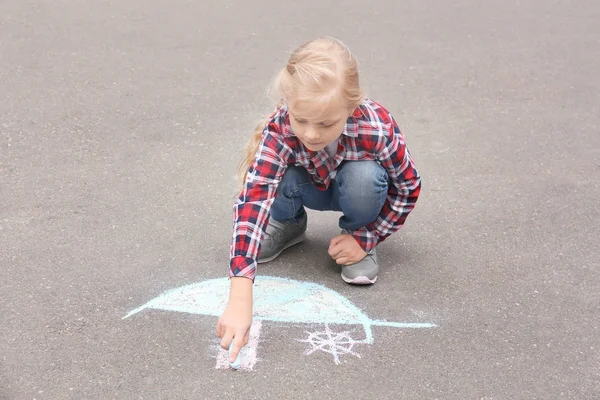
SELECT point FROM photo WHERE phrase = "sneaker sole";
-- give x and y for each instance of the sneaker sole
(294, 242)
(360, 280)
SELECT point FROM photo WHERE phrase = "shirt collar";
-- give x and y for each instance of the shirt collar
(351, 127)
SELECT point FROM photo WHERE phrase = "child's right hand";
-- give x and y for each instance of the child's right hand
(237, 317)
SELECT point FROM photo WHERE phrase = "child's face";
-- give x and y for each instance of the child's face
(317, 132)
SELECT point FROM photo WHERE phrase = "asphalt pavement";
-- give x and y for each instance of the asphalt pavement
(121, 124)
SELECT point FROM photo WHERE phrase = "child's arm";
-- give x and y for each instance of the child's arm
(402, 193)
(251, 214)
(237, 318)
(405, 183)
(251, 210)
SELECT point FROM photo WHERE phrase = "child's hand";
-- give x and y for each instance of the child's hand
(237, 317)
(345, 250)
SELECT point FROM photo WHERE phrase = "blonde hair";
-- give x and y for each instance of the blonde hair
(316, 72)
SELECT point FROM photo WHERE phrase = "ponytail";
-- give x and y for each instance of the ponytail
(252, 148)
(250, 151)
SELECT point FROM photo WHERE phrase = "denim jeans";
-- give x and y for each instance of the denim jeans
(359, 191)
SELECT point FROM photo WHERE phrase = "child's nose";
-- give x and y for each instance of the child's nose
(312, 134)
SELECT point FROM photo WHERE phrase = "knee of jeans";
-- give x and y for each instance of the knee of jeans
(363, 187)
(293, 177)
(362, 176)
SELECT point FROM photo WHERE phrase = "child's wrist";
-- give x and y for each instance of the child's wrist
(241, 289)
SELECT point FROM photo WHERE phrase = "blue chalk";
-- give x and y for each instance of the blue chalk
(237, 363)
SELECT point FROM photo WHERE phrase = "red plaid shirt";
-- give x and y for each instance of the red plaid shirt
(370, 133)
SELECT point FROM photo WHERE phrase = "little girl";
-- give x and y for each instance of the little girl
(326, 147)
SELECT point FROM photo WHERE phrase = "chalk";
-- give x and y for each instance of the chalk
(237, 363)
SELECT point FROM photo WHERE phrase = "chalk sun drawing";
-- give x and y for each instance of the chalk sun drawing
(279, 300)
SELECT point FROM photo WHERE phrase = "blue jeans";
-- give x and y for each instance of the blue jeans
(359, 191)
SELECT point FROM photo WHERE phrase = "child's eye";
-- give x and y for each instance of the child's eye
(326, 124)
(301, 121)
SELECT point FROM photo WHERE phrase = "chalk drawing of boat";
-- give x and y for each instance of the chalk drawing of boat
(282, 300)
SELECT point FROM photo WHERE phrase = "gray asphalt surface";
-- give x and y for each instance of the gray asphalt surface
(120, 129)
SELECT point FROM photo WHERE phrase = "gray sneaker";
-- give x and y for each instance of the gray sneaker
(363, 272)
(279, 236)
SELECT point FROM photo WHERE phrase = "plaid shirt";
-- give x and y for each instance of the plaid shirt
(370, 133)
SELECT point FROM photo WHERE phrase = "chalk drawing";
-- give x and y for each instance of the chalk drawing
(280, 300)
(334, 343)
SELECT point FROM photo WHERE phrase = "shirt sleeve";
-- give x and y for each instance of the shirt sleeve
(251, 210)
(403, 191)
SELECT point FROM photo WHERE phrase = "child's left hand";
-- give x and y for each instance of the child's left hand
(345, 250)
